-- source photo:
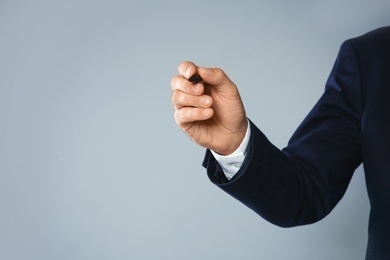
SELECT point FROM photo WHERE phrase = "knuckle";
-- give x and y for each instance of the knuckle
(195, 114)
(173, 81)
(185, 115)
(219, 73)
(179, 98)
(178, 117)
(174, 97)
(180, 83)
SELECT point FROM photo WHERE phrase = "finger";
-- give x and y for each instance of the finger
(187, 69)
(213, 76)
(181, 99)
(182, 84)
(188, 115)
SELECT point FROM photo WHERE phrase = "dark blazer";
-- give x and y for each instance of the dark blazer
(349, 125)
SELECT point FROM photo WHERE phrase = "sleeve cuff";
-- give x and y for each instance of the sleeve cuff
(231, 163)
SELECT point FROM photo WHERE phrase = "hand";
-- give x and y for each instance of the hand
(210, 112)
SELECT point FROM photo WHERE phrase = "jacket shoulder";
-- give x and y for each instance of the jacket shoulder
(378, 39)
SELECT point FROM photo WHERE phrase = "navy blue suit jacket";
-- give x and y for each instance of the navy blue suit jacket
(349, 125)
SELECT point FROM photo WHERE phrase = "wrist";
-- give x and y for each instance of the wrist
(239, 141)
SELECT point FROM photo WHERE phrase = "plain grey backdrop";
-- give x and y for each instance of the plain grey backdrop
(92, 165)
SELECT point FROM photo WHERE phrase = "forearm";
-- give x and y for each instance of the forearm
(283, 189)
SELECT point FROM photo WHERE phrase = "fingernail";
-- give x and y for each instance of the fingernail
(206, 112)
(196, 88)
(205, 101)
(188, 71)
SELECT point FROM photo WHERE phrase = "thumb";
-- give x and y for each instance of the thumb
(213, 76)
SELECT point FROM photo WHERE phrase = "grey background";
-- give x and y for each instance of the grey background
(92, 165)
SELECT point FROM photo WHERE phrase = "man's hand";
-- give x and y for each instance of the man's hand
(210, 112)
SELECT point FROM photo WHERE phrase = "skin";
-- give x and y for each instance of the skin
(210, 112)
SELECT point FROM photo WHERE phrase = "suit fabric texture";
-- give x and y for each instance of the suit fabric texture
(349, 125)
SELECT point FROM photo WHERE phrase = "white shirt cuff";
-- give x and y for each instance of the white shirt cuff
(231, 163)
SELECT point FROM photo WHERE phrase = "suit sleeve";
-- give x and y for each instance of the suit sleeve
(303, 182)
